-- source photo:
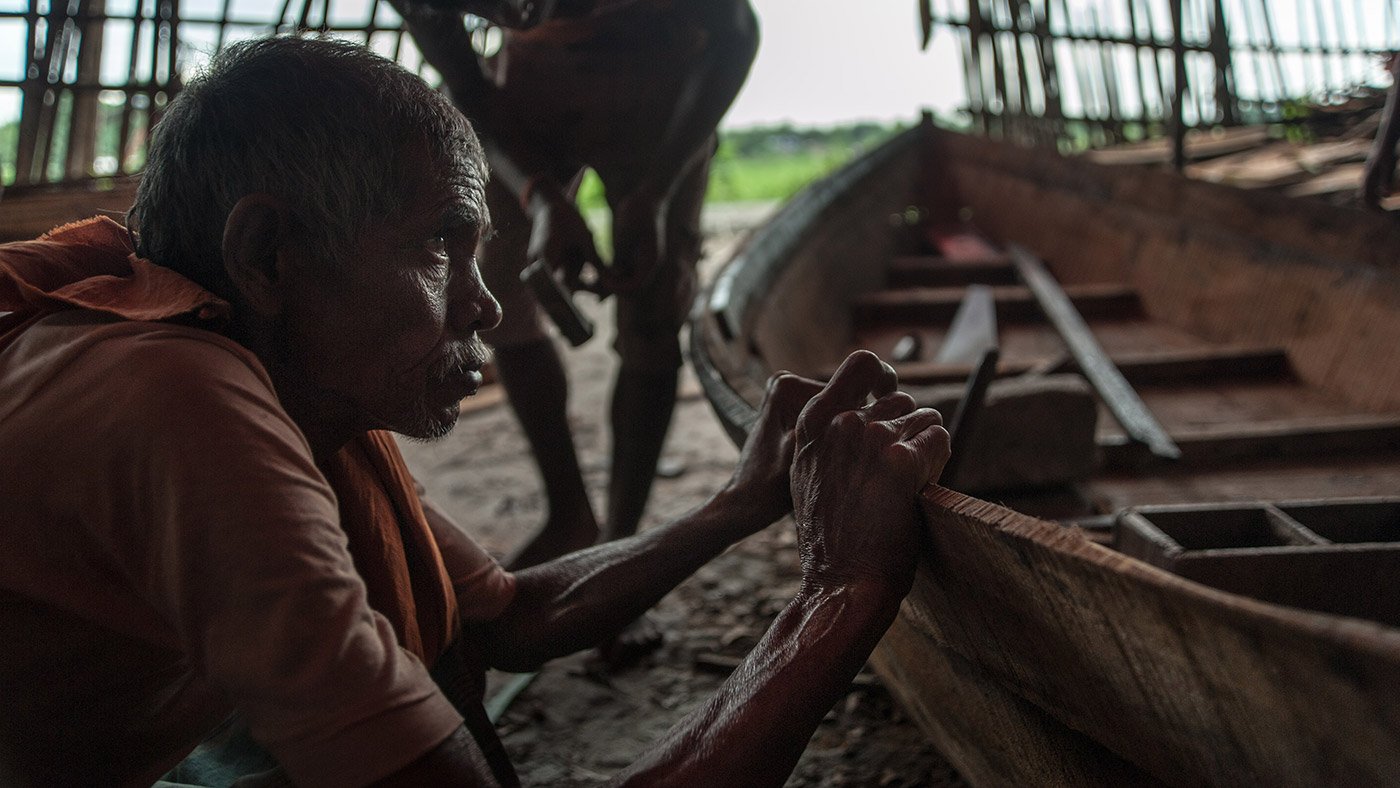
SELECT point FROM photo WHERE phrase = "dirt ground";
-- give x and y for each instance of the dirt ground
(575, 725)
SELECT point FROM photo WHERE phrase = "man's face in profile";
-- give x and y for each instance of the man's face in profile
(390, 333)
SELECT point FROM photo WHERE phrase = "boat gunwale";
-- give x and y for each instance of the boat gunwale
(1382, 639)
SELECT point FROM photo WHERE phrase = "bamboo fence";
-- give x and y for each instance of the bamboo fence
(1098, 72)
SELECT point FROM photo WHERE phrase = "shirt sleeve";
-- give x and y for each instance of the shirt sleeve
(484, 589)
(222, 519)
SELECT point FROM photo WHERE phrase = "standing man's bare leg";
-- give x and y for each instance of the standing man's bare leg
(534, 378)
(644, 396)
(648, 343)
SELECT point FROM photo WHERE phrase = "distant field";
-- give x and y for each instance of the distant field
(769, 163)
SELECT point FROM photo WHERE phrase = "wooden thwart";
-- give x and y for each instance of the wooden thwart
(933, 271)
(1316, 437)
(938, 305)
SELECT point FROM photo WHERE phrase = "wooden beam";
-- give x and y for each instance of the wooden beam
(1113, 389)
(926, 306)
(1282, 440)
(1179, 89)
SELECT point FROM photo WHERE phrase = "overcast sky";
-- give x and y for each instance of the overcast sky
(822, 61)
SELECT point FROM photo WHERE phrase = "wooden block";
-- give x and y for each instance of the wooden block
(1029, 434)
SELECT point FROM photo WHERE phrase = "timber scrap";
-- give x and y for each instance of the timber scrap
(1194, 430)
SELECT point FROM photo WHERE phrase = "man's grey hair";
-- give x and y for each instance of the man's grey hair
(323, 125)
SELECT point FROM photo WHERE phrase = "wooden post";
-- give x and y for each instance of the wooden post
(1224, 68)
(1178, 90)
(975, 27)
(1284, 91)
(32, 98)
(84, 127)
(1050, 77)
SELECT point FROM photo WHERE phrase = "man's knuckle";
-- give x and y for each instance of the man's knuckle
(885, 430)
(903, 399)
(848, 421)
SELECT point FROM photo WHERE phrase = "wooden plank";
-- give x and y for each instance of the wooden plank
(938, 305)
(964, 421)
(1338, 476)
(973, 333)
(1193, 685)
(1279, 440)
(1095, 365)
(1200, 145)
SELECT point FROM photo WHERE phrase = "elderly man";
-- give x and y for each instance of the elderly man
(205, 515)
(632, 89)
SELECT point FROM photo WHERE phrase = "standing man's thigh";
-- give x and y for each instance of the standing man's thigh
(649, 320)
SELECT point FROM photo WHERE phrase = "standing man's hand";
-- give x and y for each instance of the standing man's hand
(856, 471)
(560, 236)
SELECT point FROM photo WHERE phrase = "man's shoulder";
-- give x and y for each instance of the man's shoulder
(90, 366)
(80, 343)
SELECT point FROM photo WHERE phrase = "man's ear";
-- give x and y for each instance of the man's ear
(256, 234)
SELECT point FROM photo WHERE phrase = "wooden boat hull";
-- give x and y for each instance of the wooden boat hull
(1031, 652)
(1033, 655)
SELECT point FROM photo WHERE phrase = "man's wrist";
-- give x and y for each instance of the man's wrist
(865, 603)
(876, 592)
(750, 510)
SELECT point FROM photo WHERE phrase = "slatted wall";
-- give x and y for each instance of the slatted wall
(1097, 72)
(90, 77)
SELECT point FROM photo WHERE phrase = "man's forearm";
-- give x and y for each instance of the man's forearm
(754, 728)
(579, 600)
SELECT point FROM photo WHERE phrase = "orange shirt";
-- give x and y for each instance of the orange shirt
(169, 552)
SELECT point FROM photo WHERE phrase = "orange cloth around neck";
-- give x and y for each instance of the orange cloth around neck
(402, 568)
(91, 265)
